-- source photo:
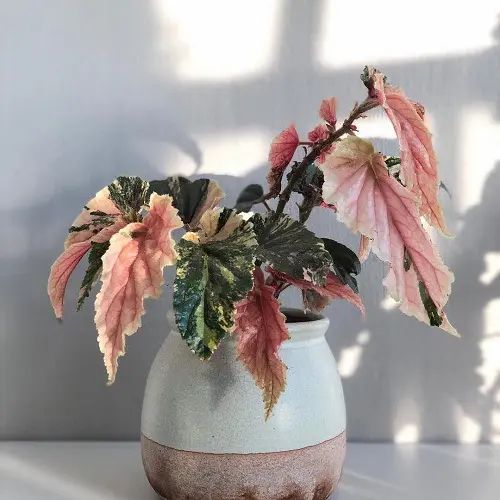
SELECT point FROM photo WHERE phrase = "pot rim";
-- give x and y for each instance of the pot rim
(304, 325)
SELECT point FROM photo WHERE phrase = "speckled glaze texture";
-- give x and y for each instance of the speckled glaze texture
(204, 435)
(310, 473)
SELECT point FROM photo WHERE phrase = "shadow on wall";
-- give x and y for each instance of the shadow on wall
(84, 97)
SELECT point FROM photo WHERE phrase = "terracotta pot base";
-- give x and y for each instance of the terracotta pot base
(310, 473)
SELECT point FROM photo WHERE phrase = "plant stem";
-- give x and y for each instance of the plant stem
(358, 111)
(268, 208)
(284, 197)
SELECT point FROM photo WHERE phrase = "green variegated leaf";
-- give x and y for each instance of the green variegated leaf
(290, 248)
(93, 271)
(191, 198)
(129, 195)
(214, 271)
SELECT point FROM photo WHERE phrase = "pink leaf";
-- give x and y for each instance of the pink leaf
(375, 204)
(328, 110)
(365, 245)
(419, 170)
(212, 197)
(282, 150)
(61, 271)
(132, 271)
(261, 329)
(333, 289)
(318, 133)
(100, 203)
(66, 263)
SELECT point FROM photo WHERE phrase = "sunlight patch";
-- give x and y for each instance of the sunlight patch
(492, 268)
(219, 40)
(408, 433)
(350, 357)
(479, 131)
(469, 431)
(490, 347)
(466, 31)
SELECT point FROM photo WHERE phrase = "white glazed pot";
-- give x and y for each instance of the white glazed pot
(203, 430)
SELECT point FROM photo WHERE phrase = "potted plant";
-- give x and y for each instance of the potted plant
(205, 432)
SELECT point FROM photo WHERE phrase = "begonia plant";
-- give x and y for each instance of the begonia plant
(232, 264)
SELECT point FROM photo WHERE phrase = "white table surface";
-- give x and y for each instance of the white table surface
(106, 471)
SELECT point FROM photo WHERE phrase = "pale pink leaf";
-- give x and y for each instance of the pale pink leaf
(333, 289)
(66, 263)
(282, 150)
(419, 170)
(375, 204)
(132, 271)
(60, 273)
(365, 245)
(159, 246)
(419, 109)
(100, 203)
(261, 329)
(212, 197)
(328, 110)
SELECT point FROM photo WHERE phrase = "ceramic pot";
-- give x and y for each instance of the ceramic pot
(203, 430)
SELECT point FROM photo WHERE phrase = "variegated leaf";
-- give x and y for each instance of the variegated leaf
(375, 204)
(290, 248)
(318, 297)
(191, 198)
(132, 270)
(97, 222)
(419, 170)
(214, 271)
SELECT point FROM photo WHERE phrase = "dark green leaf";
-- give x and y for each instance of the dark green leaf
(93, 271)
(97, 223)
(212, 275)
(345, 262)
(290, 248)
(435, 319)
(191, 198)
(406, 260)
(393, 164)
(310, 183)
(248, 196)
(129, 195)
(77, 229)
(391, 161)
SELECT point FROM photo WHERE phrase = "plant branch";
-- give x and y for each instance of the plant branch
(268, 208)
(357, 112)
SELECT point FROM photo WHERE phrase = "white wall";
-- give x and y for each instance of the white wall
(90, 89)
